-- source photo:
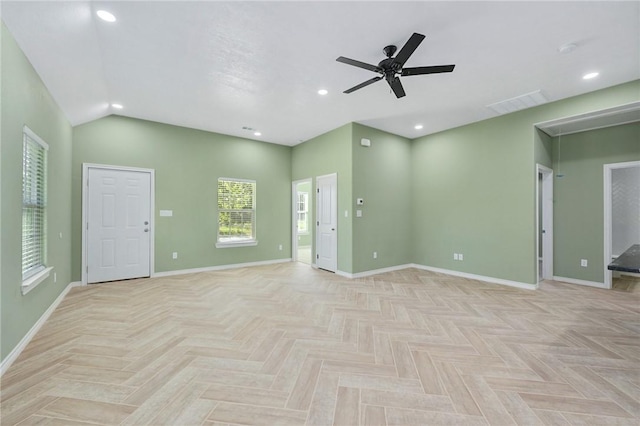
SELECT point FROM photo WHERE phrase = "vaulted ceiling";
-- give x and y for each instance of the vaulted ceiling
(222, 66)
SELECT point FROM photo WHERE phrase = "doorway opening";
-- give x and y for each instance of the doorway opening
(302, 221)
(621, 213)
(544, 222)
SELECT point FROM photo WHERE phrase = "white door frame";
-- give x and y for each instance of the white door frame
(85, 212)
(608, 243)
(294, 217)
(335, 176)
(547, 221)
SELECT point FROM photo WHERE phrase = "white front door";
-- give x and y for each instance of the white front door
(118, 224)
(327, 222)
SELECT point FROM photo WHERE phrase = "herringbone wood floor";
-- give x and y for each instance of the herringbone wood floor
(289, 345)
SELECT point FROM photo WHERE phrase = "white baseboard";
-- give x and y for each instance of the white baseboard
(373, 271)
(580, 282)
(15, 353)
(491, 280)
(219, 267)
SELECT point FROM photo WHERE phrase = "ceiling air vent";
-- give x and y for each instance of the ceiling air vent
(527, 100)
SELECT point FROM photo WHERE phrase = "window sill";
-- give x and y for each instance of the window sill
(33, 281)
(251, 243)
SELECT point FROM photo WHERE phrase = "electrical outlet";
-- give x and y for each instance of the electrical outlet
(584, 263)
(375, 254)
(455, 256)
(346, 213)
(175, 254)
(460, 256)
(280, 247)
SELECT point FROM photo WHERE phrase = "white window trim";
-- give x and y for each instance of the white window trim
(32, 281)
(35, 137)
(244, 243)
(35, 279)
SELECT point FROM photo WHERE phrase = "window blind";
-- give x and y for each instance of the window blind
(34, 203)
(236, 210)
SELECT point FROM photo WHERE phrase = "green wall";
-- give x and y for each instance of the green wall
(474, 188)
(25, 100)
(385, 225)
(578, 196)
(187, 165)
(325, 154)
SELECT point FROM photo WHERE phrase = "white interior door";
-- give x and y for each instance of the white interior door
(118, 224)
(327, 222)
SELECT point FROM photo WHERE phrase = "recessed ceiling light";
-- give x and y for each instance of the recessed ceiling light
(418, 126)
(116, 106)
(106, 16)
(590, 75)
(258, 134)
(323, 92)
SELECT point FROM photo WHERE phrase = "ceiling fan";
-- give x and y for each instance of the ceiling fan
(390, 68)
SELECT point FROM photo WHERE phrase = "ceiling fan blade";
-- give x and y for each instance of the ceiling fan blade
(397, 88)
(358, 64)
(427, 70)
(361, 85)
(409, 47)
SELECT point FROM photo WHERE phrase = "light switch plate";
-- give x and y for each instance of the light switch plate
(166, 213)
(358, 213)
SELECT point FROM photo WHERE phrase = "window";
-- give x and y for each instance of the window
(236, 212)
(34, 209)
(303, 209)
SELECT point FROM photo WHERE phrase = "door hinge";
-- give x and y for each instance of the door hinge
(317, 256)
(87, 269)
(318, 190)
(87, 225)
(318, 223)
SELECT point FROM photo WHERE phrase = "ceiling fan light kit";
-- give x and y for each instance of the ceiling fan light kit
(392, 68)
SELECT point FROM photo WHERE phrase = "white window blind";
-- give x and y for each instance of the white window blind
(34, 203)
(303, 201)
(236, 210)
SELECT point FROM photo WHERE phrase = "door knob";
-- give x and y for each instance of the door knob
(333, 229)
(146, 229)
(146, 222)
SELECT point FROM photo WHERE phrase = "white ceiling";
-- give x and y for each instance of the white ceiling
(219, 66)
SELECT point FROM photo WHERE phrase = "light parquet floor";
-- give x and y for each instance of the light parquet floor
(288, 345)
